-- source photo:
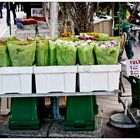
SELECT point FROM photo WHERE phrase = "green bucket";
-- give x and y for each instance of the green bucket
(135, 89)
(80, 114)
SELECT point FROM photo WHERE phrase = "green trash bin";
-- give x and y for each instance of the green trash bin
(128, 46)
(80, 114)
(24, 114)
(95, 105)
(128, 49)
(126, 27)
(135, 90)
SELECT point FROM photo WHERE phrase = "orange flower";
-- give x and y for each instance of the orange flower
(66, 34)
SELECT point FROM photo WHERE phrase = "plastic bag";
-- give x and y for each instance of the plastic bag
(52, 53)
(66, 53)
(105, 54)
(85, 55)
(42, 52)
(4, 57)
(22, 53)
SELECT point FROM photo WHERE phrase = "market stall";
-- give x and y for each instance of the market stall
(80, 67)
(65, 77)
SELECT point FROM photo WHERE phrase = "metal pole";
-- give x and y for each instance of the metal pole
(54, 19)
(10, 19)
(54, 34)
(8, 16)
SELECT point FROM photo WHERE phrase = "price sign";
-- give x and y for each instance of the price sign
(133, 67)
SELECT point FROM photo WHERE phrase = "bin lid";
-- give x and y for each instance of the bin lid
(121, 120)
(125, 25)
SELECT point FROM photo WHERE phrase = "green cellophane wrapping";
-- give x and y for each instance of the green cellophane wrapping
(42, 52)
(11, 38)
(52, 53)
(66, 55)
(22, 53)
(107, 55)
(85, 55)
(116, 38)
(4, 57)
(102, 37)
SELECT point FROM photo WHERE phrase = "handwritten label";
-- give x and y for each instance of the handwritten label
(133, 67)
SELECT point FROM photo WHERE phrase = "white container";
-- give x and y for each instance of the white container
(16, 80)
(99, 77)
(44, 33)
(55, 79)
(23, 34)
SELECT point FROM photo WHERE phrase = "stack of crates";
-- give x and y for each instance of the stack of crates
(24, 114)
(80, 113)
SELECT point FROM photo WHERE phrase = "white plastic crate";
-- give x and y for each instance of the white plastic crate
(23, 34)
(44, 33)
(99, 77)
(16, 80)
(55, 79)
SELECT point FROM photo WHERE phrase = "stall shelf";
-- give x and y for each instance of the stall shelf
(58, 94)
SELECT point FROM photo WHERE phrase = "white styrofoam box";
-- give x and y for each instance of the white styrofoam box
(23, 34)
(16, 80)
(55, 78)
(99, 77)
(44, 33)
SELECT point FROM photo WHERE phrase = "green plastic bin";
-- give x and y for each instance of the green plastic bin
(22, 125)
(80, 113)
(126, 27)
(135, 90)
(95, 105)
(24, 114)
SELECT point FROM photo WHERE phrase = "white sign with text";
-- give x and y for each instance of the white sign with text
(133, 67)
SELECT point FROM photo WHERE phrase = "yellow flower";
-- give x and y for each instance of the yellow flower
(96, 34)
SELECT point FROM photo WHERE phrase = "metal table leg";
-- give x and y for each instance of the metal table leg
(55, 108)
